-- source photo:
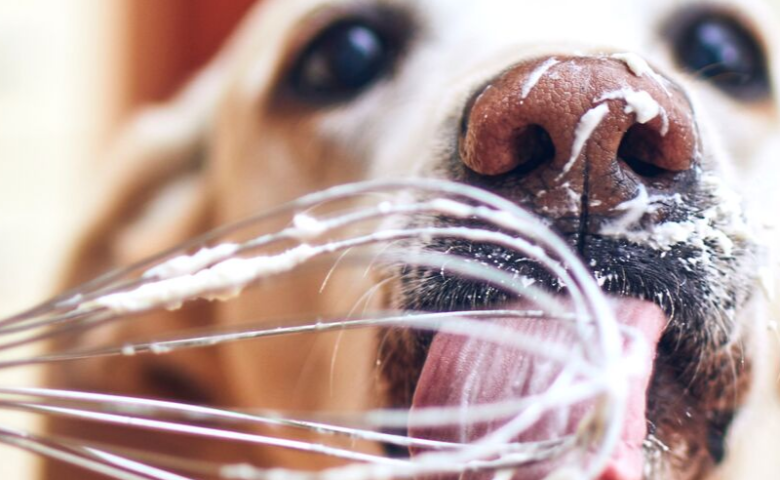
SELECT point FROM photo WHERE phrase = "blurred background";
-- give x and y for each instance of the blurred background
(70, 73)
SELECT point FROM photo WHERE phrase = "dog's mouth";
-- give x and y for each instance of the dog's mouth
(461, 372)
(675, 414)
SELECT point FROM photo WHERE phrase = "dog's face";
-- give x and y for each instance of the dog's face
(630, 127)
(583, 112)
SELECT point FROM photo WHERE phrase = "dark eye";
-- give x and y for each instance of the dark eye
(342, 61)
(719, 48)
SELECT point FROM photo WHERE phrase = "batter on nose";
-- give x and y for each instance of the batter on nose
(588, 124)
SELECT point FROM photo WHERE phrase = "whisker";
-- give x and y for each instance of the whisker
(333, 269)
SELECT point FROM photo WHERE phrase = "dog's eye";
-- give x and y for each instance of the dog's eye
(719, 48)
(342, 61)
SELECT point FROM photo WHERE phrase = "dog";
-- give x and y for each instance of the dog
(573, 110)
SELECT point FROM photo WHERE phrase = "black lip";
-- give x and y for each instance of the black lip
(700, 318)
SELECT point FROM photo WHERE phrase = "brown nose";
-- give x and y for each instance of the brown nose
(556, 120)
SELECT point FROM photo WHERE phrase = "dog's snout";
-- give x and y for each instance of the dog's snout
(605, 117)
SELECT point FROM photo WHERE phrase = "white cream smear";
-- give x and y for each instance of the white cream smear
(308, 227)
(537, 75)
(640, 68)
(635, 63)
(588, 124)
(693, 232)
(639, 103)
(635, 209)
(222, 281)
(187, 264)
(717, 224)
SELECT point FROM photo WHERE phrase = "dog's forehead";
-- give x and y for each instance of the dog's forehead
(557, 21)
(561, 21)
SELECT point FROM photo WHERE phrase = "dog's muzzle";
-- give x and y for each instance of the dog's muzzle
(574, 139)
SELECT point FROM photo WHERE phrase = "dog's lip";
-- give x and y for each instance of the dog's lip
(461, 371)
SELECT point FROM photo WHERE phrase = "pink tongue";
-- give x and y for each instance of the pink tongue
(462, 371)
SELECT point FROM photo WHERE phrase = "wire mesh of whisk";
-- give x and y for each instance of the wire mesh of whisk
(358, 217)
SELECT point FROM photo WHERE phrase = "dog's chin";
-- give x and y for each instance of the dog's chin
(676, 417)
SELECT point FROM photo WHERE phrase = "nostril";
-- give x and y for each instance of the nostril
(517, 123)
(641, 149)
(532, 148)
